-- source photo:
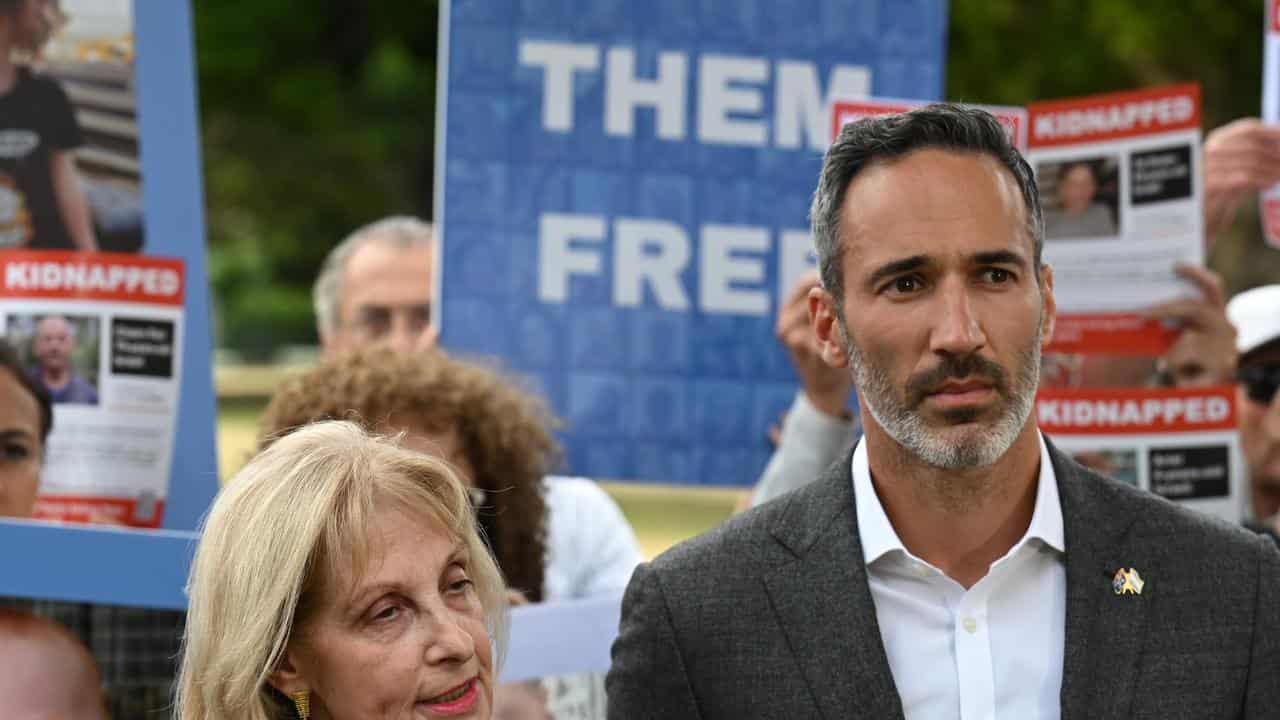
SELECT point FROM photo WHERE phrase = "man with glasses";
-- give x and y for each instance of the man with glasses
(1256, 315)
(375, 287)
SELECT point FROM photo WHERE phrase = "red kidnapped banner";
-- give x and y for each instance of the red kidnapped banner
(91, 276)
(1111, 117)
(1135, 411)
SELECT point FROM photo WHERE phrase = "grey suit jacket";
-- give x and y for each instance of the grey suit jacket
(770, 615)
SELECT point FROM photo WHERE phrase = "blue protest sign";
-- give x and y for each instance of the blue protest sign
(622, 195)
(127, 70)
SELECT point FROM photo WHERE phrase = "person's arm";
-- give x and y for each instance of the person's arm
(647, 678)
(810, 441)
(1262, 694)
(71, 200)
(817, 427)
(1205, 352)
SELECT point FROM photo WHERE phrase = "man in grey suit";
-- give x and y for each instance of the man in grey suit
(953, 564)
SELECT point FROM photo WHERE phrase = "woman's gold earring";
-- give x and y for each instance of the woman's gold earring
(302, 702)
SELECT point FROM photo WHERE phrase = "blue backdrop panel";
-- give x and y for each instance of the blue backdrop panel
(138, 567)
(657, 380)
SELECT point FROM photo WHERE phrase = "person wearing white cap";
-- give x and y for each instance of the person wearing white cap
(1256, 315)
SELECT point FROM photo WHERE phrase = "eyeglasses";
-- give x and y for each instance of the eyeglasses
(1260, 381)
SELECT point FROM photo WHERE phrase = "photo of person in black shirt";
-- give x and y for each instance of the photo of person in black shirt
(42, 202)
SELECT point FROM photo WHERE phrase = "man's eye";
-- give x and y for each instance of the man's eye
(997, 276)
(14, 452)
(905, 285)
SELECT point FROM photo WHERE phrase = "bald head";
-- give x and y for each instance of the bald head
(45, 672)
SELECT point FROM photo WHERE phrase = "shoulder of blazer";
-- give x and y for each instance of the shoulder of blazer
(1103, 510)
(774, 532)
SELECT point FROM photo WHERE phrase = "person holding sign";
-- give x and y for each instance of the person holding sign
(340, 575)
(954, 563)
(1256, 314)
(41, 202)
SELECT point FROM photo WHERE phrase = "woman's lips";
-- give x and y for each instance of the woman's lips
(458, 701)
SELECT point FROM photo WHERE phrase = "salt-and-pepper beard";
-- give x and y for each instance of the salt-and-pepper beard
(901, 419)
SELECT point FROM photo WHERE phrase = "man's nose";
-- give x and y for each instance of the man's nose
(956, 329)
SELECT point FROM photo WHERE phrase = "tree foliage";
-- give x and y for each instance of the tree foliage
(318, 117)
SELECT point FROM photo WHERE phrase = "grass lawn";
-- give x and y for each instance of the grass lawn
(661, 515)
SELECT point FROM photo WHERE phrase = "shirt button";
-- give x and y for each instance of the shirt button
(970, 625)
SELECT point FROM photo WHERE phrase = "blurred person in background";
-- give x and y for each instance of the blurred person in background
(376, 287)
(136, 648)
(555, 538)
(1256, 315)
(42, 204)
(45, 672)
(26, 417)
(54, 346)
(340, 575)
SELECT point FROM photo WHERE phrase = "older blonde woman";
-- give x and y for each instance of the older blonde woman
(341, 576)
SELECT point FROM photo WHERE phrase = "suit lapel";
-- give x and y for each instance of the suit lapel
(824, 605)
(1104, 631)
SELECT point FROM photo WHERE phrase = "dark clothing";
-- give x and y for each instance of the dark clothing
(771, 616)
(77, 391)
(36, 119)
(137, 651)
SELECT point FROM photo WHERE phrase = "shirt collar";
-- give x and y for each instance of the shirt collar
(879, 538)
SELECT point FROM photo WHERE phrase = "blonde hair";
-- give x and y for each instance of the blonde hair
(272, 539)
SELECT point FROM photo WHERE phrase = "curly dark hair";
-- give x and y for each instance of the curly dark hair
(503, 431)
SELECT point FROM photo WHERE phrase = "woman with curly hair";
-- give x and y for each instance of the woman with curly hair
(554, 537)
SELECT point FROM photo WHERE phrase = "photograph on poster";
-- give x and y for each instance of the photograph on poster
(1080, 197)
(61, 353)
(1118, 463)
(70, 175)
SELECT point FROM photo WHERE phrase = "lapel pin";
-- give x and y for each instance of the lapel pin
(1127, 582)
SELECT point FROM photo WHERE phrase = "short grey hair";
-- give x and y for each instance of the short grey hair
(399, 231)
(885, 138)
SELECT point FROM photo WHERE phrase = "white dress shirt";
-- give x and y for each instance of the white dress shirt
(992, 652)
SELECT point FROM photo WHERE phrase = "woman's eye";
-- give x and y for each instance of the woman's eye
(390, 612)
(461, 586)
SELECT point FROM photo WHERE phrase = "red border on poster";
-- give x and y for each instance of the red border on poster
(111, 277)
(1114, 116)
(1135, 411)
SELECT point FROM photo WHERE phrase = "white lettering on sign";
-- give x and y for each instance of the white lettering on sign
(624, 92)
(85, 278)
(729, 102)
(1129, 413)
(558, 62)
(558, 259)
(1116, 118)
(653, 254)
(633, 267)
(724, 91)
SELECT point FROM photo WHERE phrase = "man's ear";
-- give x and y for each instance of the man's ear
(826, 328)
(1050, 306)
(286, 677)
